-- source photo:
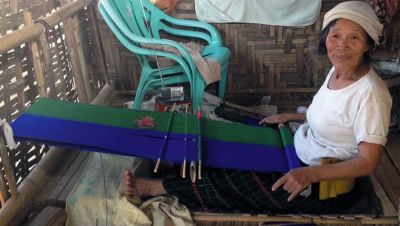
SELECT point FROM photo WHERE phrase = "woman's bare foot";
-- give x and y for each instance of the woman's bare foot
(142, 187)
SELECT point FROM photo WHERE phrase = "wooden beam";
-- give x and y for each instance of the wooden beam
(210, 218)
(50, 216)
(275, 90)
(31, 32)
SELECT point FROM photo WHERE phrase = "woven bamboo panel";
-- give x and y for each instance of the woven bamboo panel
(266, 60)
(11, 12)
(18, 88)
(18, 82)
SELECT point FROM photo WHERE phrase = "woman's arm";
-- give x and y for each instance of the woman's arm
(296, 180)
(283, 118)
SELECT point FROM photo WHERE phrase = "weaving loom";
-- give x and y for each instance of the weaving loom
(112, 130)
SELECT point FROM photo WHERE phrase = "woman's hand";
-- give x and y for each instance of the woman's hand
(295, 181)
(283, 118)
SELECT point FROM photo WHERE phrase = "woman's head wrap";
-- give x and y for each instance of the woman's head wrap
(359, 12)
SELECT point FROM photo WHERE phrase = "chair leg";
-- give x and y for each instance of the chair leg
(138, 100)
(222, 82)
(141, 88)
(197, 94)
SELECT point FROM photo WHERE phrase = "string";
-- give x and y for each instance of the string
(183, 168)
(171, 115)
(152, 44)
(105, 187)
(199, 148)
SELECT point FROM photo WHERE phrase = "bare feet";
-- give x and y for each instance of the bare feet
(141, 187)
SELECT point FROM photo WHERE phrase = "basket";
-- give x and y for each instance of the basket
(387, 67)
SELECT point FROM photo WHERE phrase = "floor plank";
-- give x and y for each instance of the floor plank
(387, 205)
(67, 188)
(393, 149)
(48, 195)
(389, 178)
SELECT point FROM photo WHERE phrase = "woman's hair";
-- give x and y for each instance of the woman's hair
(321, 49)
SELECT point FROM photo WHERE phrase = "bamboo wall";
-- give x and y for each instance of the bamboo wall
(47, 49)
(266, 60)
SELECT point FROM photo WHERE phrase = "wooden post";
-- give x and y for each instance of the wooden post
(44, 45)
(18, 68)
(78, 61)
(99, 66)
(13, 6)
(4, 195)
(36, 58)
(18, 75)
(9, 169)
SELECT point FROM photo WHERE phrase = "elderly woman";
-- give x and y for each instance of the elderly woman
(347, 121)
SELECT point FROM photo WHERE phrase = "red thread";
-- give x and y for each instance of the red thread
(145, 122)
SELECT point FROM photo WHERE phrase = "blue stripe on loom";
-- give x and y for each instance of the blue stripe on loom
(146, 144)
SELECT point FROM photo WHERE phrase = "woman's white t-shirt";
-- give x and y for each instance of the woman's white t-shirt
(338, 120)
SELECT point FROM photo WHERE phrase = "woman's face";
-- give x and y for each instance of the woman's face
(346, 44)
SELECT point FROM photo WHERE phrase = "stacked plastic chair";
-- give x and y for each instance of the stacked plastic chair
(137, 25)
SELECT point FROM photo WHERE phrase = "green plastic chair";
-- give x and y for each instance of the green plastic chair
(137, 24)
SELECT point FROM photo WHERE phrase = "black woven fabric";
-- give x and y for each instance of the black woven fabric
(233, 191)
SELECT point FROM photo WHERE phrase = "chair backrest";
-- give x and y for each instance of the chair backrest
(143, 17)
(120, 28)
(122, 22)
(128, 14)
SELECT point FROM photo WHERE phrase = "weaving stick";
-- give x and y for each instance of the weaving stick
(199, 150)
(171, 115)
(183, 167)
(193, 171)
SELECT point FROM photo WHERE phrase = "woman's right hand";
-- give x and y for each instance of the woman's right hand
(283, 118)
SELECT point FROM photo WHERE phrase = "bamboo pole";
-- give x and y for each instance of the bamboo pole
(21, 92)
(276, 90)
(31, 32)
(4, 195)
(13, 6)
(36, 58)
(16, 209)
(295, 218)
(99, 65)
(18, 67)
(8, 168)
(44, 46)
(78, 60)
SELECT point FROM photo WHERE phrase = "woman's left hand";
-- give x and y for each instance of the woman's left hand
(295, 181)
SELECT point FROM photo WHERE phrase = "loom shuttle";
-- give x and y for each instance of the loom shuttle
(171, 115)
(193, 171)
(183, 166)
(199, 148)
